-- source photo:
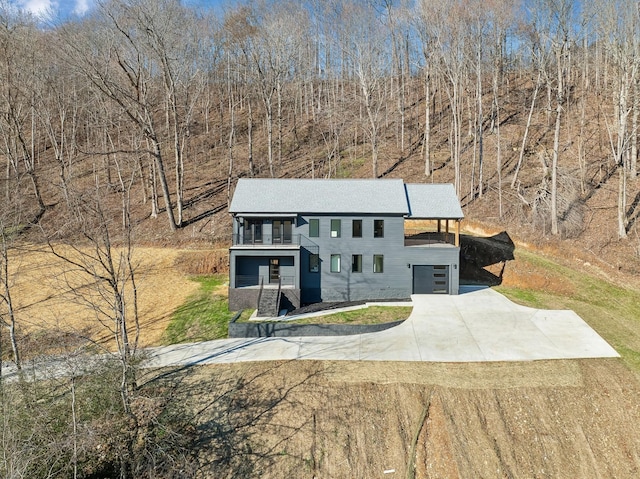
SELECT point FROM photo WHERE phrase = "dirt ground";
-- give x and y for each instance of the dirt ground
(307, 419)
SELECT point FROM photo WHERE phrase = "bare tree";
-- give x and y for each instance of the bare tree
(174, 45)
(57, 106)
(429, 17)
(367, 53)
(395, 14)
(102, 272)
(23, 204)
(554, 22)
(501, 16)
(451, 38)
(18, 117)
(525, 135)
(238, 31)
(117, 62)
(268, 35)
(10, 226)
(619, 21)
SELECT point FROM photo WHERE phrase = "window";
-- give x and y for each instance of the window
(378, 228)
(314, 263)
(314, 228)
(335, 228)
(335, 263)
(357, 229)
(378, 263)
(356, 263)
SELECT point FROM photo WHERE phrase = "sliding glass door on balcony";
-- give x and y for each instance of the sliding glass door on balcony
(252, 231)
(282, 231)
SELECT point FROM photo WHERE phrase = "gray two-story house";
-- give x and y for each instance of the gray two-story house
(342, 240)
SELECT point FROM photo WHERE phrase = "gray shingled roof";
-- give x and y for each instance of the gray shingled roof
(388, 196)
(432, 201)
(259, 195)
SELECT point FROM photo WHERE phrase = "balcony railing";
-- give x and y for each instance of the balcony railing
(413, 238)
(277, 242)
(248, 281)
(265, 240)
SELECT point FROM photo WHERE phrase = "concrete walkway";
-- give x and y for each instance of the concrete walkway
(477, 325)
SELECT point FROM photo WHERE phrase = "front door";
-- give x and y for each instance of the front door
(274, 270)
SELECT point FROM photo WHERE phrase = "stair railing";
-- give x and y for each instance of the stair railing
(278, 297)
(260, 293)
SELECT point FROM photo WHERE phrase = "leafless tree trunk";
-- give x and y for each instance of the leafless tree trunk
(427, 124)
(556, 17)
(635, 124)
(619, 23)
(498, 141)
(109, 273)
(129, 84)
(556, 148)
(230, 141)
(480, 118)
(370, 91)
(250, 138)
(523, 145)
(8, 319)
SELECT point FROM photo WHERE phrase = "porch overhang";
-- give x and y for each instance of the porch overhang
(265, 215)
(444, 223)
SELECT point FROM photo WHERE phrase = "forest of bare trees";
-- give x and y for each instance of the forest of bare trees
(151, 109)
(165, 88)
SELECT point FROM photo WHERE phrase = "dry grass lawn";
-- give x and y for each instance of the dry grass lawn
(48, 311)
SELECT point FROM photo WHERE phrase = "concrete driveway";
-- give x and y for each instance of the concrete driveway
(477, 325)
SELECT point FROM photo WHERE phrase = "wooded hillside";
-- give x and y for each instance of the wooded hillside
(157, 108)
(129, 127)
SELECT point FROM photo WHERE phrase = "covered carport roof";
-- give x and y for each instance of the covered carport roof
(432, 202)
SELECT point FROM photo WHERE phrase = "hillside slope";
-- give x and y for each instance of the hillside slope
(340, 419)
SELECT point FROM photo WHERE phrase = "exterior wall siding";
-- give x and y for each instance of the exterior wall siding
(395, 282)
(347, 285)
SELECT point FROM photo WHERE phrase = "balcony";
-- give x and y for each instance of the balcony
(266, 240)
(269, 242)
(433, 239)
(431, 233)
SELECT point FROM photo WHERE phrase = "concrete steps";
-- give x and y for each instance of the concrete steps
(269, 303)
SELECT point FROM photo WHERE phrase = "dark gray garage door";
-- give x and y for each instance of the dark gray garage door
(431, 279)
